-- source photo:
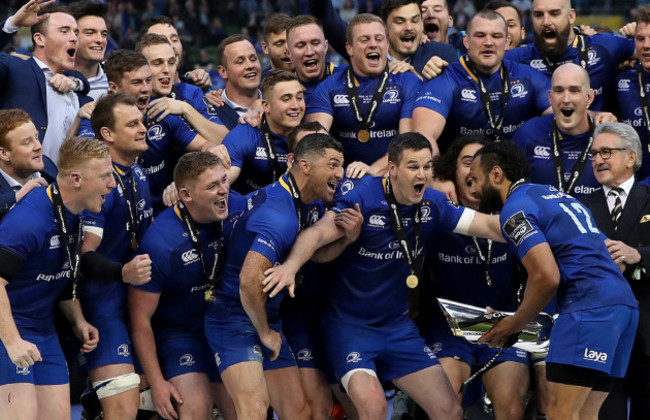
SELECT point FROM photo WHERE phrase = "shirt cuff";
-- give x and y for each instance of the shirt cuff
(9, 28)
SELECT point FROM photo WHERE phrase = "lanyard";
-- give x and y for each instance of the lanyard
(270, 150)
(214, 275)
(353, 94)
(488, 106)
(131, 206)
(485, 258)
(74, 257)
(568, 186)
(398, 227)
(583, 57)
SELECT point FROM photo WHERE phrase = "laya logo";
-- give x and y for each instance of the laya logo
(155, 132)
(595, 356)
(538, 64)
(377, 220)
(189, 256)
(341, 100)
(304, 354)
(543, 152)
(186, 360)
(518, 91)
(353, 357)
(468, 95)
(123, 350)
(624, 84)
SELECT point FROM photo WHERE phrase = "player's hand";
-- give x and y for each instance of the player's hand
(272, 340)
(434, 67)
(357, 170)
(587, 30)
(162, 394)
(221, 152)
(62, 83)
(350, 220)
(628, 30)
(503, 331)
(162, 107)
(87, 334)
(30, 185)
(251, 117)
(200, 78)
(28, 14)
(424, 39)
(86, 111)
(23, 353)
(622, 253)
(601, 117)
(446, 187)
(279, 277)
(137, 271)
(170, 195)
(214, 97)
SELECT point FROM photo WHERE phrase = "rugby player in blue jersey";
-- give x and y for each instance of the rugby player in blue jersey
(186, 244)
(364, 105)
(482, 94)
(40, 240)
(369, 336)
(565, 255)
(107, 263)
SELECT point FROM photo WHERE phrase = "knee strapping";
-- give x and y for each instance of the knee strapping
(116, 385)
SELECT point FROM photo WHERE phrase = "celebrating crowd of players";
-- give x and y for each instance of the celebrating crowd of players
(168, 222)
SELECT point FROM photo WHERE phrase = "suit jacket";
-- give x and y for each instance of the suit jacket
(7, 196)
(633, 230)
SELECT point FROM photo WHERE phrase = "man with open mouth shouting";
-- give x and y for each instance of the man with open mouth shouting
(556, 43)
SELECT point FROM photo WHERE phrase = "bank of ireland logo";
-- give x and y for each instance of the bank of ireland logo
(468, 95)
(186, 360)
(353, 357)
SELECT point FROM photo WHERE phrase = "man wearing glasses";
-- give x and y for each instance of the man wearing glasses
(557, 145)
(621, 210)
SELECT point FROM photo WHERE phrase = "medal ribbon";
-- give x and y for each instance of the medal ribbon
(488, 106)
(485, 258)
(643, 97)
(131, 206)
(355, 103)
(414, 263)
(579, 166)
(74, 257)
(270, 150)
(214, 275)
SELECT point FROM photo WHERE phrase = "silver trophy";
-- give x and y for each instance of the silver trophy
(471, 322)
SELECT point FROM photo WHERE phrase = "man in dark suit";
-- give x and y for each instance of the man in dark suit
(20, 158)
(38, 85)
(621, 210)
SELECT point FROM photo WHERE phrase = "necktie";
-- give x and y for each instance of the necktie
(618, 206)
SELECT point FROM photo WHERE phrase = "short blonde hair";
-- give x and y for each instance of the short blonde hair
(76, 152)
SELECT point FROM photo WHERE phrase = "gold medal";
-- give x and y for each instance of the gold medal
(363, 136)
(209, 295)
(412, 281)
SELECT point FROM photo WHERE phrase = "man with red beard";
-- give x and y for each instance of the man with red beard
(556, 43)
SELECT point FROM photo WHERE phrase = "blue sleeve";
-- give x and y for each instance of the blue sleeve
(20, 231)
(160, 260)
(425, 51)
(411, 87)
(333, 26)
(436, 95)
(99, 219)
(520, 228)
(7, 199)
(622, 48)
(5, 38)
(447, 214)
(204, 107)
(274, 232)
(542, 85)
(239, 144)
(181, 132)
(320, 99)
(86, 129)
